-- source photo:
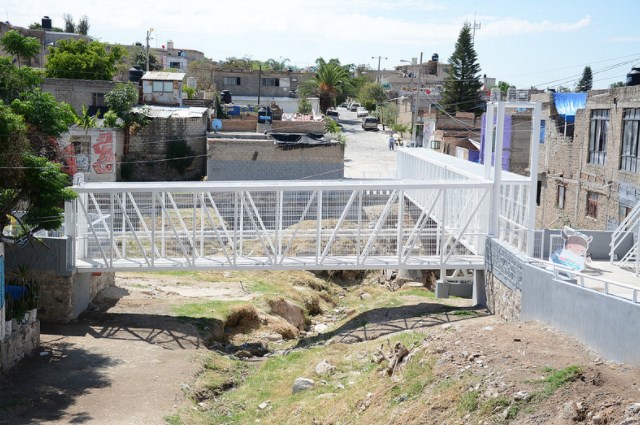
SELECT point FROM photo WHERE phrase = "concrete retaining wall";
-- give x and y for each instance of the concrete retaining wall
(14, 347)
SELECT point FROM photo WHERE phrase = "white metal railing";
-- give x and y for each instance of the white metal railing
(603, 286)
(629, 226)
(280, 225)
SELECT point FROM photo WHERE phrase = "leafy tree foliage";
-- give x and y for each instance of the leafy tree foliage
(19, 46)
(69, 25)
(84, 60)
(304, 106)
(277, 65)
(462, 85)
(38, 26)
(140, 60)
(616, 84)
(83, 25)
(121, 99)
(44, 113)
(504, 87)
(388, 114)
(14, 81)
(330, 80)
(203, 71)
(371, 94)
(240, 63)
(586, 81)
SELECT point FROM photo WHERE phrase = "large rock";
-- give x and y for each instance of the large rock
(289, 312)
(324, 368)
(302, 384)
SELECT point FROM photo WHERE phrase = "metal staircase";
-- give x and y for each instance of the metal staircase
(630, 225)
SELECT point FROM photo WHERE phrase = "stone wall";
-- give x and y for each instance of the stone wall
(262, 160)
(504, 277)
(148, 150)
(23, 341)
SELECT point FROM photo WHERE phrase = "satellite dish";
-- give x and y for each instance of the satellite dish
(216, 124)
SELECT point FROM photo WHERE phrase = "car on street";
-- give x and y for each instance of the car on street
(354, 107)
(333, 114)
(362, 112)
(370, 123)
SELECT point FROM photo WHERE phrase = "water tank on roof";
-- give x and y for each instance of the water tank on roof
(633, 77)
(46, 23)
(135, 74)
(435, 57)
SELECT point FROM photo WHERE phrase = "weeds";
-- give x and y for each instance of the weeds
(468, 401)
(558, 378)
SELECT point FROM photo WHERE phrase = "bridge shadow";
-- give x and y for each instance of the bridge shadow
(380, 322)
(41, 388)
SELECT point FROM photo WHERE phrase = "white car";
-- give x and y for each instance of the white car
(362, 112)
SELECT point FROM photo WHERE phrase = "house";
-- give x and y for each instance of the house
(162, 88)
(79, 93)
(266, 84)
(178, 59)
(590, 172)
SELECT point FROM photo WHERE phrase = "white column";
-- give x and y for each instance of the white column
(533, 183)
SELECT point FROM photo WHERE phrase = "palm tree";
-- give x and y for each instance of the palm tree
(276, 65)
(330, 80)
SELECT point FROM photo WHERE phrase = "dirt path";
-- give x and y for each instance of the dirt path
(125, 361)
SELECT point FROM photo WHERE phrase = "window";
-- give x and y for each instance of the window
(97, 99)
(231, 81)
(630, 140)
(592, 204)
(538, 192)
(175, 65)
(598, 136)
(561, 194)
(623, 212)
(271, 82)
(163, 86)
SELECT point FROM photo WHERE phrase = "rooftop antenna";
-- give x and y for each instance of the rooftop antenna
(476, 26)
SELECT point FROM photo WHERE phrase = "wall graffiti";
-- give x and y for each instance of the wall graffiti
(105, 163)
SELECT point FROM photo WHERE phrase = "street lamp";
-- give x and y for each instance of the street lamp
(415, 110)
(149, 31)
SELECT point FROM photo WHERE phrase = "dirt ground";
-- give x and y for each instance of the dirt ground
(128, 361)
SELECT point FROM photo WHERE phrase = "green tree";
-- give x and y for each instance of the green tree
(616, 84)
(371, 94)
(240, 63)
(83, 25)
(388, 114)
(38, 26)
(330, 80)
(121, 100)
(203, 71)
(140, 60)
(14, 81)
(277, 65)
(586, 81)
(19, 46)
(462, 84)
(87, 121)
(83, 59)
(69, 25)
(504, 87)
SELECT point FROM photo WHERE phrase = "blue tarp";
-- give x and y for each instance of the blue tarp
(568, 103)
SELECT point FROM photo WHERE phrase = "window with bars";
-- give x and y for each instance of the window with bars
(599, 128)
(271, 82)
(561, 195)
(592, 204)
(97, 99)
(231, 81)
(630, 140)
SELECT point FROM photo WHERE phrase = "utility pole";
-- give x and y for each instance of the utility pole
(378, 76)
(259, 82)
(415, 106)
(476, 26)
(149, 31)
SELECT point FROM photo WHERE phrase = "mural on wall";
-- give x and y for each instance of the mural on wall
(573, 253)
(92, 153)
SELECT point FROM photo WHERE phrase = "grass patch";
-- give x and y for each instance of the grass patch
(500, 403)
(172, 420)
(468, 401)
(209, 310)
(418, 292)
(464, 313)
(558, 378)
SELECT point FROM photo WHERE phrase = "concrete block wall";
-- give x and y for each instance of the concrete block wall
(262, 160)
(76, 92)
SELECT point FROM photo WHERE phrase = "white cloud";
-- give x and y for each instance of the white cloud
(499, 27)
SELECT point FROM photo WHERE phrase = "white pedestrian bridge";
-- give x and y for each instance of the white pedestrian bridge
(436, 215)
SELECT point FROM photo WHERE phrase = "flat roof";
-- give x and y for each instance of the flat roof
(163, 76)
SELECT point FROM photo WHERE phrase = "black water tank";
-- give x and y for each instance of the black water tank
(225, 96)
(135, 74)
(435, 57)
(46, 23)
(633, 77)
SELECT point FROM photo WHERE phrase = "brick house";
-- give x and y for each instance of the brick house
(591, 179)
(162, 88)
(267, 83)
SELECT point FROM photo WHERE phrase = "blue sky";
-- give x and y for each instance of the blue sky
(542, 43)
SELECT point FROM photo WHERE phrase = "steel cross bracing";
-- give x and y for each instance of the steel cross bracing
(307, 225)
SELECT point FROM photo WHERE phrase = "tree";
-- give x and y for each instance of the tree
(240, 63)
(140, 60)
(20, 46)
(304, 106)
(388, 114)
(38, 26)
(14, 81)
(83, 60)
(504, 87)
(121, 100)
(83, 25)
(462, 84)
(330, 80)
(371, 94)
(69, 26)
(586, 81)
(616, 84)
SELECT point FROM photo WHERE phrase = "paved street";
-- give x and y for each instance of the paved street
(367, 153)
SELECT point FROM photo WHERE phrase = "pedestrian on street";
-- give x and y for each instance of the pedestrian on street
(392, 142)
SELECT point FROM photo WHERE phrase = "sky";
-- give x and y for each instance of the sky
(540, 43)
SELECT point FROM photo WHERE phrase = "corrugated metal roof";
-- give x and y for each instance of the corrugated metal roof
(163, 76)
(153, 111)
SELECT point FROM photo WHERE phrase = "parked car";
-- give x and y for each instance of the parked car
(370, 123)
(354, 106)
(362, 112)
(334, 115)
